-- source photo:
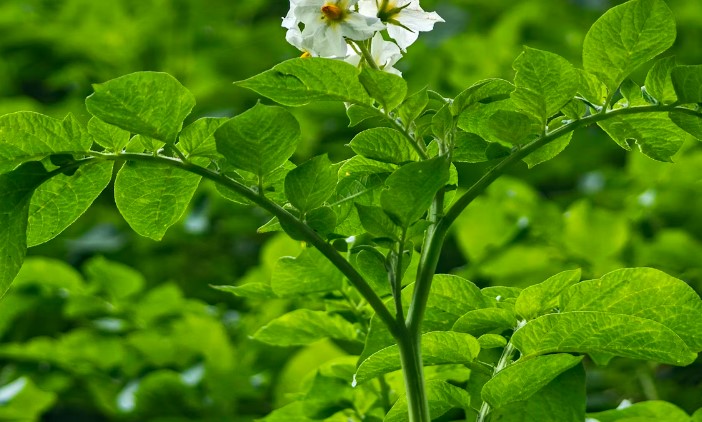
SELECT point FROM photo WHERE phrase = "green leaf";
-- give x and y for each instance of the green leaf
(438, 348)
(545, 83)
(481, 321)
(153, 104)
(594, 233)
(602, 332)
(687, 81)
(249, 290)
(491, 341)
(441, 396)
(58, 202)
(358, 114)
(110, 137)
(645, 293)
(485, 91)
(273, 184)
(359, 166)
(304, 326)
(659, 82)
(197, 139)
(591, 88)
(376, 222)
(28, 136)
(647, 411)
(118, 280)
(259, 140)
(322, 220)
(442, 123)
(388, 89)
(543, 297)
(311, 183)
(301, 81)
(308, 273)
(471, 148)
(153, 197)
(413, 106)
(371, 265)
(626, 37)
(562, 400)
(697, 416)
(411, 189)
(16, 190)
(552, 149)
(512, 127)
(524, 378)
(688, 123)
(28, 403)
(384, 144)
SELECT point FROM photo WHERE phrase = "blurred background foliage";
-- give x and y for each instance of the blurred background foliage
(105, 326)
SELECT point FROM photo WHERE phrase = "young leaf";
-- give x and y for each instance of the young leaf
(28, 136)
(58, 202)
(376, 222)
(441, 396)
(153, 104)
(481, 321)
(388, 89)
(384, 144)
(626, 37)
(153, 197)
(543, 297)
(647, 411)
(16, 190)
(411, 189)
(524, 378)
(602, 332)
(413, 106)
(491, 341)
(259, 140)
(545, 83)
(197, 139)
(304, 326)
(371, 265)
(310, 272)
(358, 114)
(297, 82)
(687, 81)
(311, 183)
(659, 82)
(642, 292)
(656, 136)
(438, 348)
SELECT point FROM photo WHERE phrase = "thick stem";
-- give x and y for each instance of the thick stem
(409, 344)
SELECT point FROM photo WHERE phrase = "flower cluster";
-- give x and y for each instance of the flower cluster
(351, 29)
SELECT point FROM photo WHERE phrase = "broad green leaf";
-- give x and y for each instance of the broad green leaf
(16, 190)
(413, 106)
(688, 123)
(645, 293)
(441, 396)
(110, 137)
(378, 337)
(118, 280)
(545, 83)
(626, 37)
(602, 332)
(301, 81)
(311, 183)
(58, 202)
(376, 222)
(485, 120)
(388, 89)
(562, 400)
(491, 341)
(153, 104)
(153, 197)
(543, 297)
(524, 378)
(359, 165)
(292, 412)
(659, 82)
(355, 189)
(442, 123)
(327, 396)
(553, 148)
(371, 265)
(591, 88)
(310, 272)
(358, 114)
(411, 189)
(63, 276)
(481, 321)
(197, 139)
(687, 81)
(273, 184)
(646, 411)
(259, 140)
(384, 144)
(438, 348)
(512, 127)
(249, 290)
(632, 93)
(574, 110)
(28, 136)
(471, 148)
(485, 91)
(697, 416)
(304, 326)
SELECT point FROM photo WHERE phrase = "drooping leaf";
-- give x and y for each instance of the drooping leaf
(659, 82)
(545, 83)
(481, 321)
(110, 137)
(388, 89)
(310, 272)
(311, 183)
(58, 202)
(153, 197)
(298, 82)
(626, 37)
(197, 139)
(304, 326)
(384, 144)
(687, 81)
(153, 104)
(411, 189)
(258, 140)
(523, 379)
(646, 411)
(543, 297)
(438, 348)
(602, 332)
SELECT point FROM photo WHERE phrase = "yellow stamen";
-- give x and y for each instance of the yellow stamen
(305, 55)
(332, 12)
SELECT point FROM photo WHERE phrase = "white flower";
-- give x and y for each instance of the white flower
(405, 18)
(384, 53)
(329, 22)
(294, 37)
(290, 21)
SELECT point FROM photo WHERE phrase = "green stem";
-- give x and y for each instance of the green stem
(396, 278)
(504, 362)
(409, 344)
(284, 216)
(365, 52)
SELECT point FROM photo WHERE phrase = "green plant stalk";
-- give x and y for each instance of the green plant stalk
(504, 362)
(409, 343)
